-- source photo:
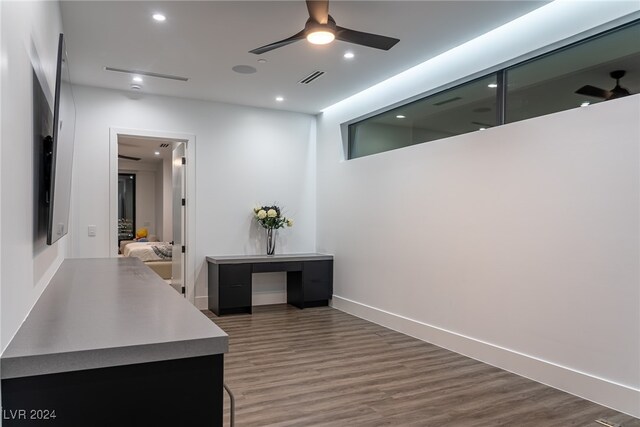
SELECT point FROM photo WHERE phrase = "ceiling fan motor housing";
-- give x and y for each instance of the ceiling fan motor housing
(312, 26)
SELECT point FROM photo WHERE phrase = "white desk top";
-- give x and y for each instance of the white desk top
(98, 313)
(244, 259)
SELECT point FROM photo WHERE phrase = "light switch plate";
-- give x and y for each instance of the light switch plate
(92, 229)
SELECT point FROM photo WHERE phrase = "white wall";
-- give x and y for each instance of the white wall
(243, 156)
(2, 71)
(29, 34)
(517, 245)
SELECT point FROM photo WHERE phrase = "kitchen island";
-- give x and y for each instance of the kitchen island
(110, 343)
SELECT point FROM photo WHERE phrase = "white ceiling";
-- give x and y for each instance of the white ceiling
(145, 148)
(203, 40)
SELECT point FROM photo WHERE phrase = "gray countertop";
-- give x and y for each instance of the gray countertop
(242, 259)
(98, 313)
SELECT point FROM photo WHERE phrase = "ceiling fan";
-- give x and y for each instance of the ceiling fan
(321, 28)
(616, 92)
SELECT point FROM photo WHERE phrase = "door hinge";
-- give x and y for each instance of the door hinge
(184, 160)
(184, 202)
(184, 248)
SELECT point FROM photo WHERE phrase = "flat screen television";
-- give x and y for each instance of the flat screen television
(59, 155)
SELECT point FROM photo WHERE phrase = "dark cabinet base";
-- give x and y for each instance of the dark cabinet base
(309, 283)
(183, 392)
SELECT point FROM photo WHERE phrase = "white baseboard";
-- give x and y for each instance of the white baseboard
(258, 298)
(202, 303)
(616, 396)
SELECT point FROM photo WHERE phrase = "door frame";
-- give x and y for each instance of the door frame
(190, 207)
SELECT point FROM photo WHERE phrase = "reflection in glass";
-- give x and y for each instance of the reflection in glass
(601, 68)
(466, 108)
(579, 75)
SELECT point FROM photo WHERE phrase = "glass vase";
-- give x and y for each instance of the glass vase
(271, 241)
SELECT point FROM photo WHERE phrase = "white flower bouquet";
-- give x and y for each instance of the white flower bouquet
(270, 217)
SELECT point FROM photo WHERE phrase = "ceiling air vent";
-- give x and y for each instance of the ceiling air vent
(164, 145)
(311, 77)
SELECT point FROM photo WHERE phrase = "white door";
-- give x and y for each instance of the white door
(179, 202)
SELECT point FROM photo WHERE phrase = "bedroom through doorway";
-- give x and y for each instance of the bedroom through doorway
(150, 209)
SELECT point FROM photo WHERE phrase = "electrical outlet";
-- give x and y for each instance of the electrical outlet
(92, 229)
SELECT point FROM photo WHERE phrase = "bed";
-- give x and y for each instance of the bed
(156, 255)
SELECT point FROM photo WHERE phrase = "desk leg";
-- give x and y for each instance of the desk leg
(295, 294)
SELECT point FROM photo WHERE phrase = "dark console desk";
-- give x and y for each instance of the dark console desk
(309, 280)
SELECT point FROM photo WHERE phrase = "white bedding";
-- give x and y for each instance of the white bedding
(149, 251)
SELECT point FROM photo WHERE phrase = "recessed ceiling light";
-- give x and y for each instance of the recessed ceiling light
(135, 86)
(157, 153)
(492, 85)
(137, 79)
(482, 129)
(159, 17)
(349, 55)
(262, 61)
(400, 116)
(585, 104)
(279, 98)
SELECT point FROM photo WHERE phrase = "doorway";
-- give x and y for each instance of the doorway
(157, 161)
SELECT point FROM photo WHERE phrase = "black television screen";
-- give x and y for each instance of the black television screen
(61, 155)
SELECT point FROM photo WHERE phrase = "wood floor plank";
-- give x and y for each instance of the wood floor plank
(322, 367)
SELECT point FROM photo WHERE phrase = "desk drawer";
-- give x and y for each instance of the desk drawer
(268, 267)
(235, 295)
(317, 279)
(316, 290)
(318, 271)
(235, 274)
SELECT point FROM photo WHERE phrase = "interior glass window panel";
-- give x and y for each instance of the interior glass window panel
(579, 75)
(466, 108)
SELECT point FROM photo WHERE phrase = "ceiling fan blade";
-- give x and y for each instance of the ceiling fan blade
(365, 39)
(618, 92)
(122, 156)
(596, 92)
(318, 10)
(276, 45)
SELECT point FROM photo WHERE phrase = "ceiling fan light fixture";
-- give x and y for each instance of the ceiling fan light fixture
(320, 37)
(321, 28)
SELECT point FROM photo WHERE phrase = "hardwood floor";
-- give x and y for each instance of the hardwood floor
(323, 367)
